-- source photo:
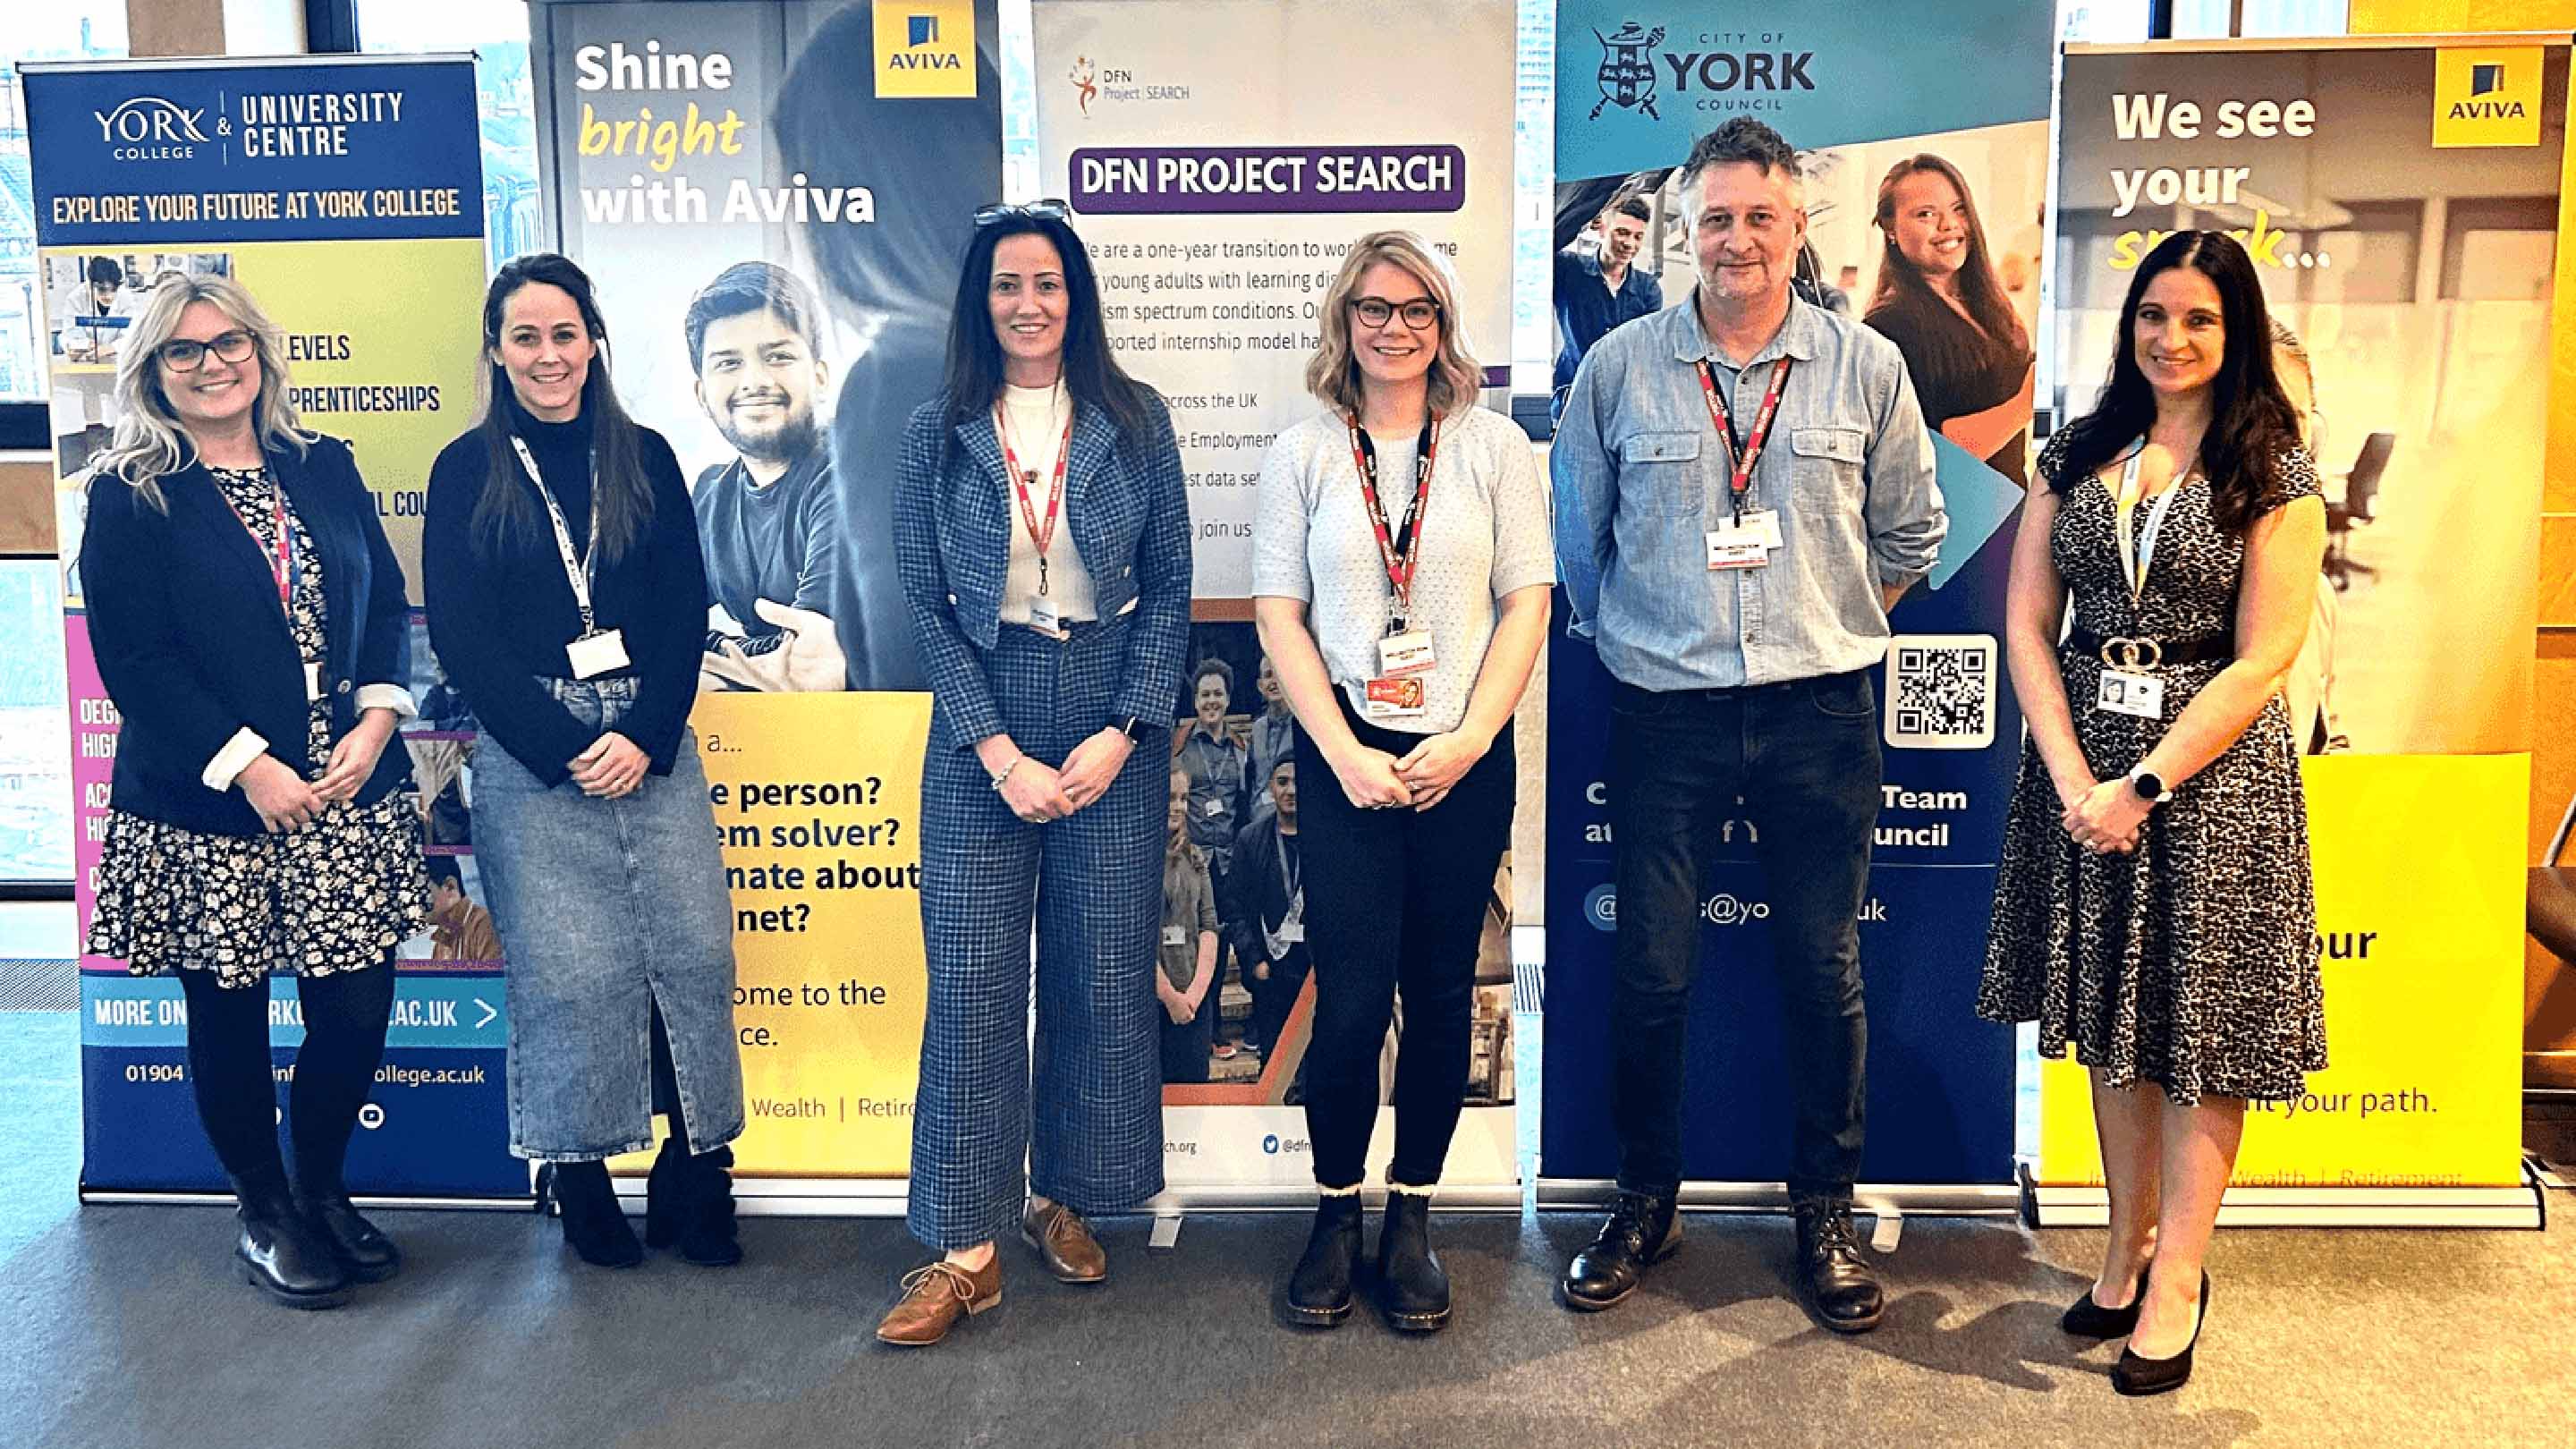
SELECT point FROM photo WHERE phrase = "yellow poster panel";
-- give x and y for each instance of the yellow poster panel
(817, 799)
(2419, 903)
(382, 340)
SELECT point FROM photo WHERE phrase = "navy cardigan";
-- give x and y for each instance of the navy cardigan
(194, 648)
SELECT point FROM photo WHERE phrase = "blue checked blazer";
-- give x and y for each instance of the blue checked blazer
(1127, 505)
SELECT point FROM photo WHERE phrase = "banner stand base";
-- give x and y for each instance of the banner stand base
(885, 1197)
(1936, 1200)
(2523, 1206)
(364, 1200)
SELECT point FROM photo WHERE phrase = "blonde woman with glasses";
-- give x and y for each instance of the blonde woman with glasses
(1402, 558)
(248, 619)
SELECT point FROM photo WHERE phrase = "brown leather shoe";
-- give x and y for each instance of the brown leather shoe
(935, 1296)
(1064, 1242)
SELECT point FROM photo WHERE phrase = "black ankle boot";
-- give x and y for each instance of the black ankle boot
(593, 1224)
(283, 1255)
(1833, 1277)
(1643, 1229)
(362, 1247)
(1319, 1290)
(688, 1200)
(1412, 1289)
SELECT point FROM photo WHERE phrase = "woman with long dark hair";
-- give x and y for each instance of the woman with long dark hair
(248, 619)
(1939, 301)
(1043, 527)
(567, 600)
(2155, 907)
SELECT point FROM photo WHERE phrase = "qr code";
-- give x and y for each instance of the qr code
(1941, 691)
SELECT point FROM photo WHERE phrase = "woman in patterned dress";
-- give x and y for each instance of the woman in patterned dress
(249, 622)
(2154, 906)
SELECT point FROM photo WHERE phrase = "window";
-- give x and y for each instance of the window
(78, 30)
(497, 32)
(2499, 249)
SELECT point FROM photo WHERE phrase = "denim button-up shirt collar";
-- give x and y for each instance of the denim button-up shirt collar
(1640, 478)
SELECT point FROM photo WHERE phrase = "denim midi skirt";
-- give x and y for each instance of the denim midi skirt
(607, 909)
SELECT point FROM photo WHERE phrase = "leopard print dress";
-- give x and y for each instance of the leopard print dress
(338, 895)
(2191, 963)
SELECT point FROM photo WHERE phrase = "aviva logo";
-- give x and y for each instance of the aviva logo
(2485, 96)
(925, 48)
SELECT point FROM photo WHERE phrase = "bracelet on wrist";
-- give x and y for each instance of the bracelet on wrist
(1002, 776)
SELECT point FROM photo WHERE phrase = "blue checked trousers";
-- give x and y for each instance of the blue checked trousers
(1083, 1107)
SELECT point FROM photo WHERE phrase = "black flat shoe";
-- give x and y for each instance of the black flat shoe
(2137, 1377)
(363, 1248)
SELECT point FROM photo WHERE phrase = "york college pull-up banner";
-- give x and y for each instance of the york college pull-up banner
(1956, 98)
(346, 194)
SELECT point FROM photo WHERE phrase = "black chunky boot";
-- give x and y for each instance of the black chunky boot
(1412, 1288)
(362, 1247)
(283, 1255)
(1833, 1277)
(688, 1200)
(1319, 1290)
(594, 1226)
(1643, 1229)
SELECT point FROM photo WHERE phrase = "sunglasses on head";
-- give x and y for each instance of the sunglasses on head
(1051, 209)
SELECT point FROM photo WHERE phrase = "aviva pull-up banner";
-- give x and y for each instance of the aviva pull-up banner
(1886, 129)
(2400, 199)
(773, 199)
(346, 194)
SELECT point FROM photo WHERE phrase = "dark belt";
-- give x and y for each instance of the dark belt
(2127, 651)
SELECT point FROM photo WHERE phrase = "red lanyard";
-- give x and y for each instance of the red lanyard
(1740, 460)
(1020, 482)
(1398, 549)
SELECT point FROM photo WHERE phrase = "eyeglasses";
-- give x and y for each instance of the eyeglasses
(1419, 313)
(183, 355)
(1051, 209)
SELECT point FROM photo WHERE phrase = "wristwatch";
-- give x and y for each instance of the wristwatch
(2150, 786)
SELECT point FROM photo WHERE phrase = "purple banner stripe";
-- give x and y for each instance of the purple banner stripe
(1167, 180)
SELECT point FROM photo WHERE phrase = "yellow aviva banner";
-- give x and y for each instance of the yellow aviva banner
(823, 855)
(2419, 912)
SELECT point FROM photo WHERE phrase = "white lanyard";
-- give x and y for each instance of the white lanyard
(578, 571)
(2136, 558)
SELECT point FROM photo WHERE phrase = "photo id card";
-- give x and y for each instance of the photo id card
(593, 655)
(1395, 697)
(1046, 618)
(312, 682)
(2141, 695)
(1407, 651)
(1176, 935)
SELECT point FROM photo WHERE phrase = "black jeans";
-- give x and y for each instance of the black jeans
(1395, 902)
(1803, 758)
(345, 1015)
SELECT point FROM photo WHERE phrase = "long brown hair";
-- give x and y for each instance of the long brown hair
(1980, 291)
(624, 496)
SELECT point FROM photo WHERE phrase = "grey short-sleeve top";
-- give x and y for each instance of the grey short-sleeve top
(1486, 534)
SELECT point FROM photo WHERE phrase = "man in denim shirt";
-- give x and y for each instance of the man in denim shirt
(1599, 290)
(1740, 625)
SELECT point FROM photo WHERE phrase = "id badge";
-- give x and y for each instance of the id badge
(1046, 618)
(1738, 546)
(1405, 652)
(2141, 695)
(593, 655)
(1292, 930)
(1214, 807)
(312, 681)
(1394, 697)
(1766, 523)
(1176, 935)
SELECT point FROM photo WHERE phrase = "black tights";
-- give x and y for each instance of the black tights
(228, 1059)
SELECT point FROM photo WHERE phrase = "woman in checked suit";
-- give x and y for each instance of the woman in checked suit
(1043, 528)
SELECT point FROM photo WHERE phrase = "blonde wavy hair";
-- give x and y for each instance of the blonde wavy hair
(150, 443)
(1334, 374)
